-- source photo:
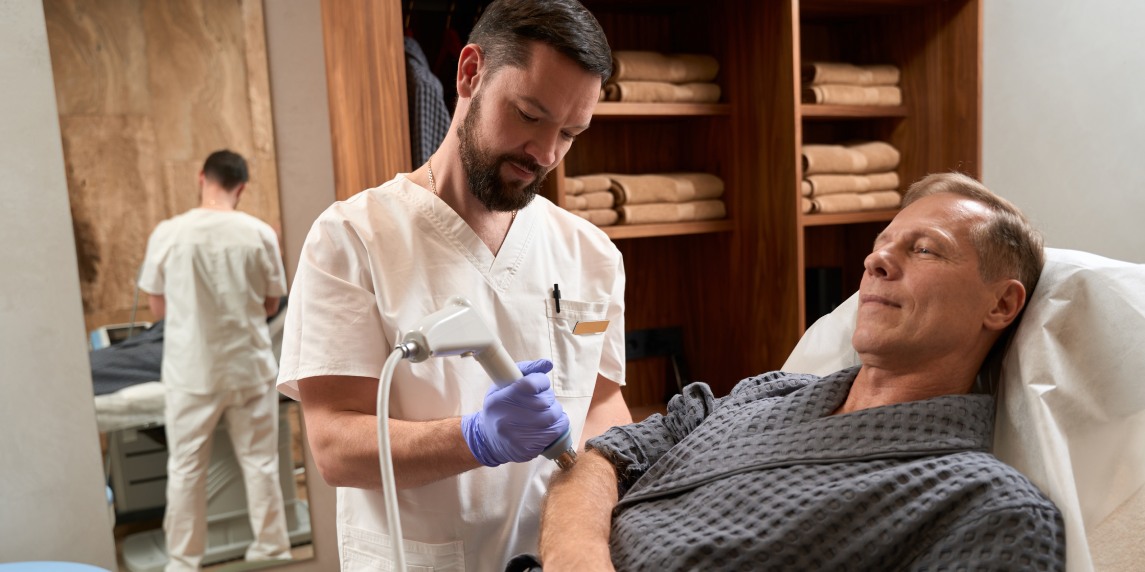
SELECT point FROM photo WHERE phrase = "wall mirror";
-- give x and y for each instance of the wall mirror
(145, 91)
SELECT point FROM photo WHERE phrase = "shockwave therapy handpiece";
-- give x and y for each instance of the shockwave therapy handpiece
(457, 330)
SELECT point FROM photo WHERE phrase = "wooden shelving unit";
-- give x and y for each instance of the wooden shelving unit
(937, 46)
(620, 110)
(821, 111)
(807, 220)
(735, 287)
(623, 231)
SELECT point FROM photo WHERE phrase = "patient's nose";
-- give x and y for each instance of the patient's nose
(880, 264)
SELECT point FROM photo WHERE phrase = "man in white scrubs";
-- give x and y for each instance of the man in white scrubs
(215, 274)
(468, 222)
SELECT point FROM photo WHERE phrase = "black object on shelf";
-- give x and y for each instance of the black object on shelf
(660, 342)
(824, 291)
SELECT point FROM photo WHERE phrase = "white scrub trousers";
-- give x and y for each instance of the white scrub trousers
(252, 422)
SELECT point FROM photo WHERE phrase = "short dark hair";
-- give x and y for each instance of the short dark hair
(507, 28)
(226, 168)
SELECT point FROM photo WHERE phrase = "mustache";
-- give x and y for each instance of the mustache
(525, 161)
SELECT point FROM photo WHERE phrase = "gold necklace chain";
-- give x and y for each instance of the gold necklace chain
(433, 185)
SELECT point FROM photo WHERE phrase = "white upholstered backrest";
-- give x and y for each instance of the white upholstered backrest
(1071, 412)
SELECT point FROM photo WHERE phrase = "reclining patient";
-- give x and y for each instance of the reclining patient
(879, 467)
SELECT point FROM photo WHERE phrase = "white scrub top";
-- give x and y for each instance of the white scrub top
(215, 269)
(387, 257)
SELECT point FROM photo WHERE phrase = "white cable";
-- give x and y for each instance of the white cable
(389, 488)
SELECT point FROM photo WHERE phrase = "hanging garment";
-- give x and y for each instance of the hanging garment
(428, 116)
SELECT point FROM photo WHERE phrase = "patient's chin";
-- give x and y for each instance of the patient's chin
(865, 341)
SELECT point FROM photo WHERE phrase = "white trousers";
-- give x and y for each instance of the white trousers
(251, 417)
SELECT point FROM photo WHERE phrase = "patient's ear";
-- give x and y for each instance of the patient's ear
(1009, 299)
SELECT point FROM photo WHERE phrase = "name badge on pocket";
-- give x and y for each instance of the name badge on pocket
(590, 328)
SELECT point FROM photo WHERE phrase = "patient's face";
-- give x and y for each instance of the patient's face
(921, 295)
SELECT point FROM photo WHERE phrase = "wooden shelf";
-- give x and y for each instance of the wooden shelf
(821, 111)
(837, 8)
(847, 218)
(622, 231)
(620, 110)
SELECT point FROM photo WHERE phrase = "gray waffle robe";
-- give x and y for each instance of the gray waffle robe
(767, 479)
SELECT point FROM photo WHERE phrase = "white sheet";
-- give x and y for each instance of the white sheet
(1072, 405)
(137, 406)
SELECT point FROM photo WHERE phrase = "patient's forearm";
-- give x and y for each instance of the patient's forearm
(577, 516)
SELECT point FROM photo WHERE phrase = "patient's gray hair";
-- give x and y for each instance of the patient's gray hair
(1008, 245)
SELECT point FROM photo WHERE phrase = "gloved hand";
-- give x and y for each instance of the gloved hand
(518, 421)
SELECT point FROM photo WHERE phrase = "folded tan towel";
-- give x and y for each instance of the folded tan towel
(590, 201)
(665, 187)
(834, 184)
(858, 158)
(672, 212)
(805, 187)
(654, 66)
(851, 202)
(587, 184)
(819, 73)
(837, 94)
(661, 92)
(599, 217)
(880, 155)
(807, 204)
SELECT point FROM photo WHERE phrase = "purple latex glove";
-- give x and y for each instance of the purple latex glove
(518, 420)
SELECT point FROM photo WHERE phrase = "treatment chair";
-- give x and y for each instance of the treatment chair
(1071, 409)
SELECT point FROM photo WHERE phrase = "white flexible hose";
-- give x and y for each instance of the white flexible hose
(389, 487)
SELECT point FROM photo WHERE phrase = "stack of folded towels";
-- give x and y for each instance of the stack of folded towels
(646, 199)
(848, 178)
(847, 84)
(652, 77)
(590, 197)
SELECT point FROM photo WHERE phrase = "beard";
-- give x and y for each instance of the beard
(483, 169)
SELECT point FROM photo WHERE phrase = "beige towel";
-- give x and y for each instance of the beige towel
(672, 212)
(599, 217)
(859, 158)
(832, 159)
(655, 66)
(837, 94)
(587, 184)
(807, 204)
(573, 186)
(834, 184)
(660, 92)
(880, 155)
(665, 188)
(851, 202)
(819, 73)
(590, 201)
(805, 187)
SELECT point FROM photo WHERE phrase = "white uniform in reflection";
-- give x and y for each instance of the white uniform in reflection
(216, 269)
(389, 256)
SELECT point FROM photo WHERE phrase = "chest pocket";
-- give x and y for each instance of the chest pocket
(576, 358)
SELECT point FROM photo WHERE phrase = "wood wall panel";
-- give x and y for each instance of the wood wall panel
(762, 84)
(365, 79)
(145, 91)
(103, 50)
